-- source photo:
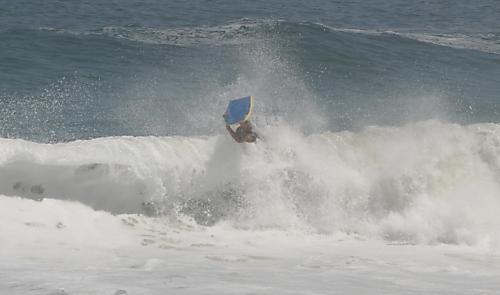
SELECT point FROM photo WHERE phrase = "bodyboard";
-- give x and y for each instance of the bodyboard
(238, 110)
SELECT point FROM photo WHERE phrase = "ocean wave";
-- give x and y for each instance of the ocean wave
(246, 30)
(238, 32)
(489, 43)
(484, 43)
(427, 182)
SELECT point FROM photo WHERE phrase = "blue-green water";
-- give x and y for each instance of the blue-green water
(85, 69)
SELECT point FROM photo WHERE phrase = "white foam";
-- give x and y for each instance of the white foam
(59, 247)
(49, 223)
(428, 182)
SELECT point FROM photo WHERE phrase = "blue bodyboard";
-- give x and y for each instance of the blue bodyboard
(238, 110)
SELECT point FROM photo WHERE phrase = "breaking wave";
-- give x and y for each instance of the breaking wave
(426, 182)
(246, 31)
(489, 43)
(240, 32)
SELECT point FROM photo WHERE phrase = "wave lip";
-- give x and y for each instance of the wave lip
(245, 30)
(234, 33)
(484, 43)
(489, 43)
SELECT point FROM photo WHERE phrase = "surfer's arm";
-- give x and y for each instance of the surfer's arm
(257, 133)
(233, 134)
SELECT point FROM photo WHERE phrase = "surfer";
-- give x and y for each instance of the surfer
(244, 132)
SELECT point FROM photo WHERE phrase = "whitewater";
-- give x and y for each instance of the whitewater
(387, 210)
(377, 169)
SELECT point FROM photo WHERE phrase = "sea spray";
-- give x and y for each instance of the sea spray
(428, 182)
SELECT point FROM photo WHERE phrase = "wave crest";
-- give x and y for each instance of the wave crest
(421, 183)
(234, 33)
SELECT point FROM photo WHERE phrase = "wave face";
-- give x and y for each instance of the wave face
(428, 182)
(145, 79)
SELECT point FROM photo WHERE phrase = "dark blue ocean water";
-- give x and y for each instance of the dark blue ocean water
(84, 69)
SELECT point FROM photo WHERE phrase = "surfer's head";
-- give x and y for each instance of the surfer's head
(251, 137)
